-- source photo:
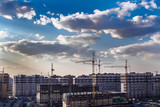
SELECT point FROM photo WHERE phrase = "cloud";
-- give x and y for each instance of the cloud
(3, 34)
(107, 22)
(43, 20)
(125, 7)
(35, 37)
(85, 38)
(7, 17)
(39, 37)
(81, 22)
(149, 5)
(35, 48)
(27, 1)
(11, 8)
(64, 47)
(156, 38)
(136, 49)
(147, 49)
(28, 15)
(50, 13)
(104, 21)
(44, 5)
(111, 21)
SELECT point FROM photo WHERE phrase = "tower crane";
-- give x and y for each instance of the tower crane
(52, 69)
(99, 73)
(92, 62)
(50, 85)
(126, 74)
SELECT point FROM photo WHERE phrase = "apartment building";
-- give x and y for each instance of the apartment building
(155, 86)
(26, 85)
(4, 85)
(84, 80)
(106, 81)
(109, 82)
(139, 85)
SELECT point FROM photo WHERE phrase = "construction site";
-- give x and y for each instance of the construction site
(85, 99)
(81, 96)
(93, 90)
(53, 94)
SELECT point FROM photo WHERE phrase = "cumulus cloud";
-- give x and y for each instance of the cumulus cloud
(109, 21)
(43, 20)
(33, 48)
(35, 36)
(156, 38)
(149, 5)
(104, 21)
(100, 20)
(39, 37)
(146, 49)
(50, 13)
(63, 47)
(11, 8)
(28, 15)
(3, 34)
(80, 22)
(84, 38)
(124, 9)
(136, 49)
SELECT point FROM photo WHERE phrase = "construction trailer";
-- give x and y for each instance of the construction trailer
(84, 99)
(52, 94)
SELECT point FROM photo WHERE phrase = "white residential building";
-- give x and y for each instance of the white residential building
(155, 86)
(105, 82)
(83, 80)
(139, 84)
(27, 85)
(109, 82)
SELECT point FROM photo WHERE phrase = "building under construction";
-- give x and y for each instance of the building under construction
(85, 99)
(52, 94)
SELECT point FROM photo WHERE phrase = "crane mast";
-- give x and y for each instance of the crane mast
(52, 69)
(50, 85)
(92, 62)
(126, 74)
(99, 74)
(93, 79)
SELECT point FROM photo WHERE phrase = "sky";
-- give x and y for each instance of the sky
(36, 33)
